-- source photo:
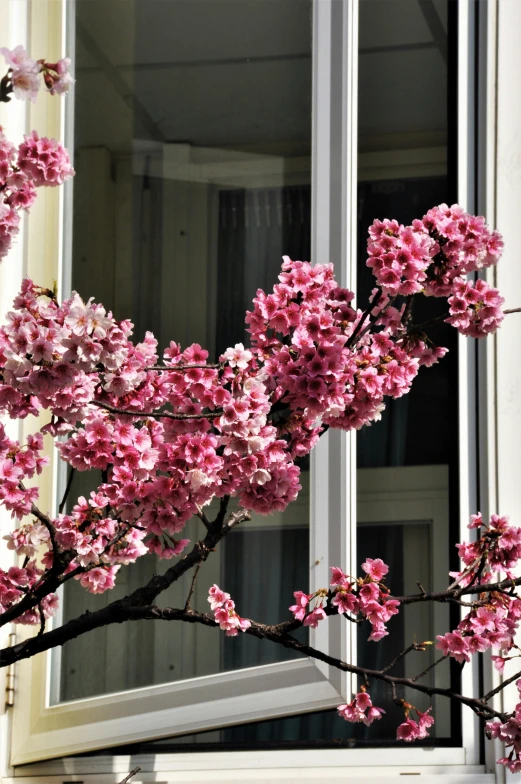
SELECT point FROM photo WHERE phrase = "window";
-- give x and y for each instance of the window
(197, 181)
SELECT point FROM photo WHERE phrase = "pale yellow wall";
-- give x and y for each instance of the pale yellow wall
(38, 26)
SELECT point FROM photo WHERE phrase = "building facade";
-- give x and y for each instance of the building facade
(210, 137)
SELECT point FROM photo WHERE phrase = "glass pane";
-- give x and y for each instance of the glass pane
(192, 151)
(404, 145)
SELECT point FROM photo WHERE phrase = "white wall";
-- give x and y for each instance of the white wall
(508, 206)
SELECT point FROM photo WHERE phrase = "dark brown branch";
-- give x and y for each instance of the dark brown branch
(425, 324)
(48, 523)
(67, 491)
(203, 518)
(6, 88)
(155, 414)
(430, 667)
(192, 587)
(412, 647)
(352, 339)
(501, 686)
(129, 610)
(130, 606)
(212, 366)
(42, 620)
(451, 595)
(269, 633)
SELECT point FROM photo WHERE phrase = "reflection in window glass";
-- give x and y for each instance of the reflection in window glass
(192, 151)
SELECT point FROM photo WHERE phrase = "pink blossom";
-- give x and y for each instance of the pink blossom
(216, 597)
(314, 617)
(238, 357)
(225, 614)
(99, 580)
(408, 731)
(375, 568)
(24, 73)
(360, 709)
(299, 609)
(57, 76)
(45, 161)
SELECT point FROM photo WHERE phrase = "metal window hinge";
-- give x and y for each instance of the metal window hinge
(9, 679)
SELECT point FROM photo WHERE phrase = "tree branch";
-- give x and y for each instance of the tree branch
(501, 686)
(192, 587)
(130, 775)
(155, 414)
(126, 608)
(67, 491)
(122, 610)
(182, 368)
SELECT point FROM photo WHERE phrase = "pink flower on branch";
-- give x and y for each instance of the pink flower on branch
(412, 730)
(24, 73)
(375, 568)
(360, 710)
(225, 614)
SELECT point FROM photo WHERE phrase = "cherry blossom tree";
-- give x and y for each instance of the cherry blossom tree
(169, 433)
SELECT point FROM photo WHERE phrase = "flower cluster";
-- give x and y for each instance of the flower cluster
(366, 597)
(23, 77)
(399, 256)
(223, 608)
(509, 733)
(17, 192)
(15, 583)
(475, 308)
(434, 256)
(466, 245)
(412, 729)
(36, 161)
(360, 709)
(17, 464)
(44, 161)
(170, 438)
(493, 623)
(319, 365)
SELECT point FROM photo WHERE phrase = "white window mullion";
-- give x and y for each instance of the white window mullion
(333, 499)
(467, 390)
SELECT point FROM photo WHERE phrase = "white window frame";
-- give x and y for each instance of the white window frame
(41, 731)
(46, 730)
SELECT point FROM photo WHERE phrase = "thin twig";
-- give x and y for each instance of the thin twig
(421, 327)
(156, 414)
(67, 490)
(132, 773)
(412, 647)
(42, 620)
(192, 587)
(48, 523)
(430, 667)
(211, 366)
(203, 518)
(501, 686)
